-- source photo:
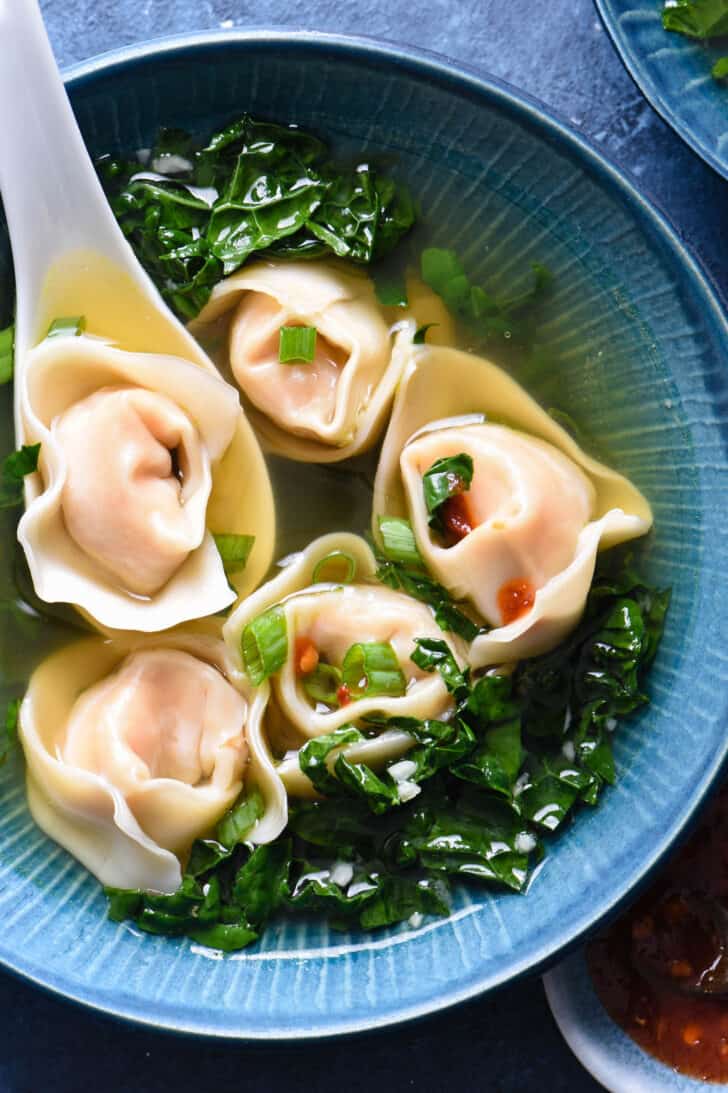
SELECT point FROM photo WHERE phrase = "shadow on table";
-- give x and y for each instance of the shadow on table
(47, 1044)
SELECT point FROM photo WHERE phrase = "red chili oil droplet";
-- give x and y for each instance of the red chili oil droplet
(343, 694)
(307, 657)
(456, 518)
(515, 598)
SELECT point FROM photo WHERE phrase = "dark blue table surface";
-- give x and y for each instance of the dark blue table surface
(505, 1043)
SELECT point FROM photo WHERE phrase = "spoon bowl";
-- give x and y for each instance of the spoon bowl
(69, 254)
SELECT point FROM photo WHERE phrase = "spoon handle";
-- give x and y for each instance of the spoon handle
(53, 200)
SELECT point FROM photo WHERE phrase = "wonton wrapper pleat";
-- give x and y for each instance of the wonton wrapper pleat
(440, 384)
(340, 302)
(63, 371)
(87, 815)
(293, 589)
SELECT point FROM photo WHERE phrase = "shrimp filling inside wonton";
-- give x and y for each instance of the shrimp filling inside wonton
(297, 394)
(515, 527)
(134, 460)
(163, 715)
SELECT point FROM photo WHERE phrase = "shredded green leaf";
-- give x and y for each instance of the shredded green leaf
(254, 188)
(238, 821)
(297, 344)
(433, 654)
(391, 290)
(469, 798)
(696, 18)
(446, 478)
(494, 317)
(411, 577)
(13, 471)
(9, 735)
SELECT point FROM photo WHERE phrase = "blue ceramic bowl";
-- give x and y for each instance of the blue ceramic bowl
(642, 347)
(673, 73)
(599, 1044)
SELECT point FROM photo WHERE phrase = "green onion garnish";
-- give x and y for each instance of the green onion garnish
(7, 346)
(446, 478)
(338, 567)
(70, 326)
(297, 344)
(398, 540)
(371, 668)
(234, 550)
(264, 645)
(322, 684)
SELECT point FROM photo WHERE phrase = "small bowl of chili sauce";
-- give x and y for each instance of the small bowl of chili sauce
(645, 1005)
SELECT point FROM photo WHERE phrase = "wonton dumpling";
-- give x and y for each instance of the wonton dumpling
(133, 754)
(330, 617)
(527, 505)
(335, 406)
(524, 537)
(122, 501)
(138, 455)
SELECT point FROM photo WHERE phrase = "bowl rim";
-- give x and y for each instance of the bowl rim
(602, 1047)
(656, 98)
(481, 87)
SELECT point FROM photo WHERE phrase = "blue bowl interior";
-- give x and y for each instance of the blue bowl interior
(638, 340)
(673, 72)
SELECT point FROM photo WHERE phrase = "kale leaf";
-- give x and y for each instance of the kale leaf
(494, 317)
(12, 472)
(510, 761)
(697, 18)
(197, 214)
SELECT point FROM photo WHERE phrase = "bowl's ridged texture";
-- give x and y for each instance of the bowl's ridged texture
(642, 354)
(673, 72)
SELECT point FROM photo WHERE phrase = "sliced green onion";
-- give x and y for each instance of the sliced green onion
(7, 347)
(371, 668)
(398, 540)
(421, 333)
(234, 550)
(446, 478)
(265, 645)
(322, 684)
(70, 326)
(297, 344)
(338, 567)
